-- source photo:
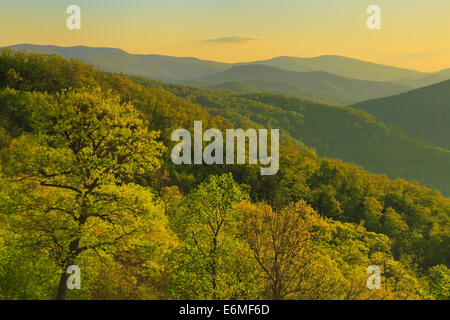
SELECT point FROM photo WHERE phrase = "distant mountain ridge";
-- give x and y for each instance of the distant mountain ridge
(162, 67)
(158, 67)
(445, 72)
(357, 69)
(324, 83)
(319, 81)
(343, 66)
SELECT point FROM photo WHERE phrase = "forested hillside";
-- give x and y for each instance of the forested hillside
(423, 113)
(86, 179)
(336, 132)
(263, 86)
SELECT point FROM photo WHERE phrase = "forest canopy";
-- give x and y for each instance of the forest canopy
(86, 179)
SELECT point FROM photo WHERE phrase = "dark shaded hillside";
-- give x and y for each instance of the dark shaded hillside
(346, 88)
(424, 113)
(357, 137)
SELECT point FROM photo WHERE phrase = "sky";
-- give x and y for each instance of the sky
(414, 34)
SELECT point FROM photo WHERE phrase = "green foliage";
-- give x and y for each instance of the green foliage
(35, 72)
(15, 110)
(77, 174)
(439, 279)
(423, 113)
(336, 132)
(209, 262)
(86, 178)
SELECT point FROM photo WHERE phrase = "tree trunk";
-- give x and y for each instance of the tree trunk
(213, 267)
(62, 289)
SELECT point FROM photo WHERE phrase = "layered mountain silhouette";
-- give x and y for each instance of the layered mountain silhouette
(343, 66)
(319, 81)
(185, 70)
(116, 60)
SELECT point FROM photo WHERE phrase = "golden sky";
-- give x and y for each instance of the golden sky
(415, 33)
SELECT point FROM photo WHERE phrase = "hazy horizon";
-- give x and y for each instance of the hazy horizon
(414, 35)
(226, 62)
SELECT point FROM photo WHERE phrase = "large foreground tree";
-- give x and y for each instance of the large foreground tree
(75, 179)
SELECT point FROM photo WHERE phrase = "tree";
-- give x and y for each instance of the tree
(439, 282)
(371, 213)
(78, 173)
(171, 196)
(282, 245)
(208, 263)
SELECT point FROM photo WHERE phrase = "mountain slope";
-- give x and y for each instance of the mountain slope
(117, 60)
(337, 132)
(236, 86)
(185, 67)
(261, 86)
(343, 66)
(445, 72)
(350, 89)
(427, 80)
(424, 113)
